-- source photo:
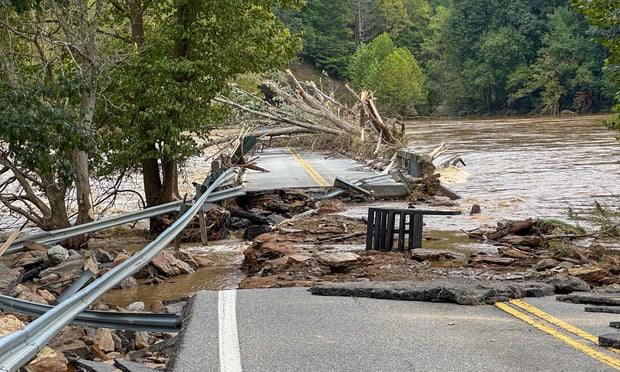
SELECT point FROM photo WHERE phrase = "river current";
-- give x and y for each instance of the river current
(540, 167)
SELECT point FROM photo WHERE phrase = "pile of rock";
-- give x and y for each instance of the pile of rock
(41, 273)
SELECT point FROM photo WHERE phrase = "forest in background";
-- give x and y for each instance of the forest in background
(473, 56)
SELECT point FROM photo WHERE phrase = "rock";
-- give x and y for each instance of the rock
(136, 306)
(141, 340)
(91, 265)
(299, 258)
(9, 278)
(89, 365)
(128, 282)
(339, 260)
(66, 270)
(527, 240)
(48, 360)
(475, 209)
(126, 365)
(103, 256)
(203, 261)
(47, 295)
(503, 261)
(30, 246)
(9, 324)
(275, 219)
(589, 274)
(26, 294)
(57, 254)
(74, 348)
(421, 254)
(169, 265)
(564, 284)
(105, 342)
(546, 263)
(186, 257)
(255, 230)
(119, 259)
(30, 259)
(157, 307)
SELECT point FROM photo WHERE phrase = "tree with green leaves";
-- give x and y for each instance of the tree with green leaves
(50, 66)
(184, 53)
(391, 73)
(567, 73)
(329, 38)
(603, 15)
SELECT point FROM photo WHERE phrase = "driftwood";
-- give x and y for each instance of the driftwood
(511, 228)
(317, 112)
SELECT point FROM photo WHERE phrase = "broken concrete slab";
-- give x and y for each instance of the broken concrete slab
(462, 291)
(609, 340)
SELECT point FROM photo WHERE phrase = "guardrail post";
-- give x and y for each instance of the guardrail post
(177, 239)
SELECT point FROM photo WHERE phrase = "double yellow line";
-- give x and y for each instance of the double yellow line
(311, 171)
(519, 309)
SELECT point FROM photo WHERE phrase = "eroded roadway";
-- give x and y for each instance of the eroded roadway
(292, 330)
(260, 330)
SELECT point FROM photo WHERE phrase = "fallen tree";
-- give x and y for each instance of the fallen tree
(306, 109)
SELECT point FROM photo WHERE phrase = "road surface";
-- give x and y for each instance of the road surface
(291, 330)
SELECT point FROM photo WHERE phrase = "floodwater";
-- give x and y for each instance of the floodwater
(539, 167)
(515, 168)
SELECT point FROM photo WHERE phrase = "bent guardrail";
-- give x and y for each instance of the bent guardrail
(17, 348)
(50, 237)
(155, 322)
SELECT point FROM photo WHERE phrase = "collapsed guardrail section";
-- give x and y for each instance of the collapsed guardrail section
(18, 348)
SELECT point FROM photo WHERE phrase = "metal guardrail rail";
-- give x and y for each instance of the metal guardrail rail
(19, 347)
(55, 236)
(155, 322)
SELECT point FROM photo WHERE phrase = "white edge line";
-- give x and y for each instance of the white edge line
(230, 356)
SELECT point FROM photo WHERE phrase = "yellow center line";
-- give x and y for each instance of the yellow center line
(555, 321)
(613, 362)
(311, 171)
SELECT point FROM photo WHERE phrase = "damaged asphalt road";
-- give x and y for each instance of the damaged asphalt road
(289, 329)
(462, 291)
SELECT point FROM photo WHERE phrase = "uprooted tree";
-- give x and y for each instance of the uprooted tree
(357, 130)
(295, 110)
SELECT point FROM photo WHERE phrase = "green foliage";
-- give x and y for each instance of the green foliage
(162, 95)
(391, 73)
(328, 38)
(603, 15)
(607, 218)
(40, 129)
(557, 227)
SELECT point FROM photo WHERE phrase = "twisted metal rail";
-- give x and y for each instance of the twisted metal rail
(50, 237)
(155, 322)
(18, 348)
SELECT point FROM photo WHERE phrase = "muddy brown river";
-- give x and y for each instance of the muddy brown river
(540, 167)
(530, 167)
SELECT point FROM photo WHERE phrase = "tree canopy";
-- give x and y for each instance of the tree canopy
(477, 56)
(101, 87)
(603, 15)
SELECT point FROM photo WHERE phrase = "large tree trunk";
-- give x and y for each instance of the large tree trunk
(152, 182)
(57, 217)
(170, 190)
(80, 163)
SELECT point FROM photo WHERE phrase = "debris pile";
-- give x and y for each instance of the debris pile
(42, 274)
